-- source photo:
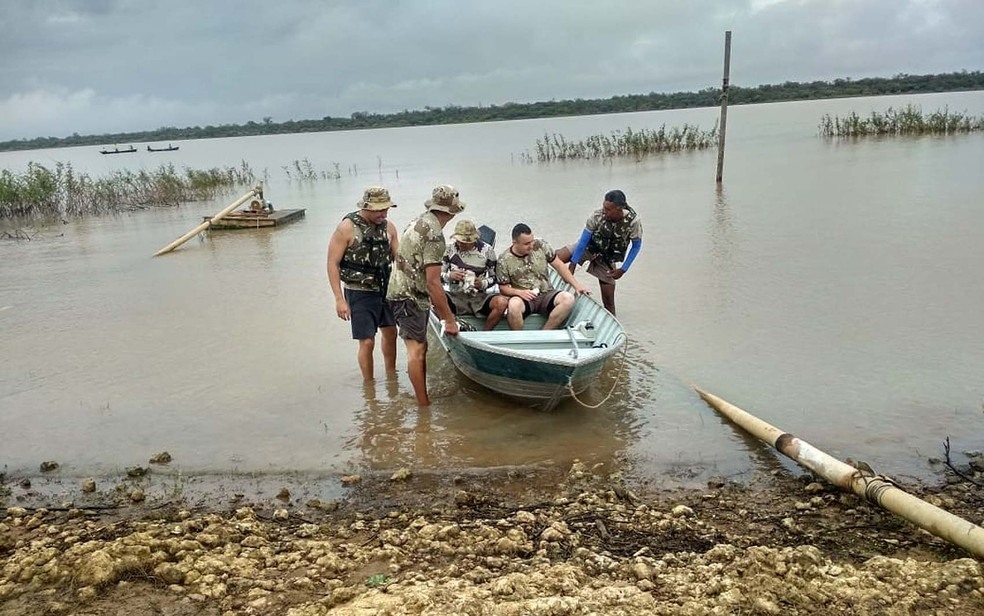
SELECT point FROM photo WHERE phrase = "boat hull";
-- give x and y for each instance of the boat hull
(530, 380)
(540, 368)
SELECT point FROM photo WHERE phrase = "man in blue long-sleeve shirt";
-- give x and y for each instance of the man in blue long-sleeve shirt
(608, 233)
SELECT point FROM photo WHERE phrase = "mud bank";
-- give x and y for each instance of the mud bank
(592, 544)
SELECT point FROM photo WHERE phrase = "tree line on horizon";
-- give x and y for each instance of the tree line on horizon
(454, 114)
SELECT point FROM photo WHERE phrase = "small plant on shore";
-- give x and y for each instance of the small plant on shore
(377, 580)
(637, 144)
(910, 120)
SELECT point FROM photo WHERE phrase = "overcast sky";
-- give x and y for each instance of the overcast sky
(95, 66)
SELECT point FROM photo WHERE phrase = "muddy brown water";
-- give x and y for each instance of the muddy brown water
(832, 288)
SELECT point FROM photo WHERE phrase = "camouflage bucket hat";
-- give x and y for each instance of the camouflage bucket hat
(375, 198)
(445, 199)
(465, 232)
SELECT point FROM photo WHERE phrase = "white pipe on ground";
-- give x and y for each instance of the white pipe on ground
(876, 489)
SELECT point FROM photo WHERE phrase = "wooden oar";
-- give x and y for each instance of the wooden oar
(876, 489)
(257, 191)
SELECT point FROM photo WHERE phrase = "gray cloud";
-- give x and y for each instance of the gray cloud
(116, 65)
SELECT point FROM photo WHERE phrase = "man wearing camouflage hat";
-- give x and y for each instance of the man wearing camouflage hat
(469, 271)
(360, 253)
(415, 283)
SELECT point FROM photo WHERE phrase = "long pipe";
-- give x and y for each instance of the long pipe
(257, 190)
(876, 489)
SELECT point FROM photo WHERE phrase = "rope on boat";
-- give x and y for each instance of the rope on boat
(621, 366)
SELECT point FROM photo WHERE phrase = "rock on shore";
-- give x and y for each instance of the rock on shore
(587, 551)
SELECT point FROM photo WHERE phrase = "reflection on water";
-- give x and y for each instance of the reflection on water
(831, 288)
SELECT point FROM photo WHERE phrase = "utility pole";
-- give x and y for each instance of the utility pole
(724, 104)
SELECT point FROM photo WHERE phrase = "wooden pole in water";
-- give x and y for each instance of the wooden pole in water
(257, 191)
(724, 104)
(876, 489)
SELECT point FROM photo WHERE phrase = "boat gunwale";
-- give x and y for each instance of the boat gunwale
(463, 339)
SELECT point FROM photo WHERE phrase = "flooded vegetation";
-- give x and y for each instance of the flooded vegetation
(60, 191)
(621, 144)
(909, 120)
(304, 170)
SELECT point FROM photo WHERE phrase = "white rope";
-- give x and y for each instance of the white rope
(570, 386)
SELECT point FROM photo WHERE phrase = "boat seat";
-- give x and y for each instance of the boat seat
(528, 336)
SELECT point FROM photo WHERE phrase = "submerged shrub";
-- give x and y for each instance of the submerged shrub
(620, 143)
(59, 192)
(909, 120)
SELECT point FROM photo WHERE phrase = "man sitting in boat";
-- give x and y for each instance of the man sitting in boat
(468, 269)
(522, 275)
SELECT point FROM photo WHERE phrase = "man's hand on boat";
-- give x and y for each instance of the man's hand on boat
(581, 290)
(450, 327)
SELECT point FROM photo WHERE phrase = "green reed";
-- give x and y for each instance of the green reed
(303, 170)
(634, 143)
(909, 120)
(60, 192)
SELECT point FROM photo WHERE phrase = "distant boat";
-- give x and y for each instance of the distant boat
(116, 150)
(169, 148)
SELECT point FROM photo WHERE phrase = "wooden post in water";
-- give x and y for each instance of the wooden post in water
(257, 190)
(724, 104)
(876, 489)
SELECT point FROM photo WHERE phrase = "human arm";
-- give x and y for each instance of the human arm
(621, 270)
(568, 277)
(394, 240)
(435, 289)
(451, 273)
(339, 242)
(483, 283)
(582, 243)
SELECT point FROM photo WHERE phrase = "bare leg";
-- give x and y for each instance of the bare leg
(417, 369)
(389, 348)
(497, 307)
(608, 296)
(366, 346)
(515, 315)
(565, 255)
(563, 303)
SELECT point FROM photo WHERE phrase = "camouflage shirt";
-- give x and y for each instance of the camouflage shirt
(478, 263)
(610, 240)
(529, 272)
(480, 260)
(421, 244)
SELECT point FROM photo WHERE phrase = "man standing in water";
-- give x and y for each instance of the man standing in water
(359, 255)
(415, 283)
(606, 236)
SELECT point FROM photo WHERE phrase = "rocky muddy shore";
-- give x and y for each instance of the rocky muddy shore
(592, 544)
